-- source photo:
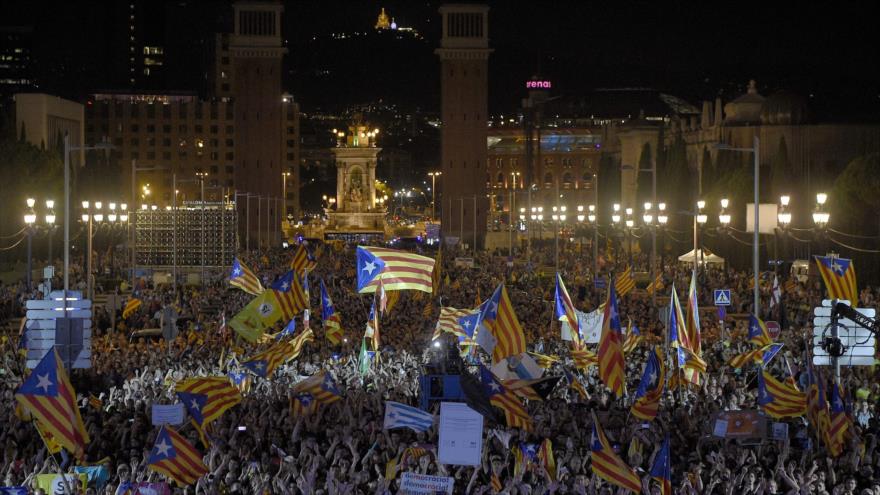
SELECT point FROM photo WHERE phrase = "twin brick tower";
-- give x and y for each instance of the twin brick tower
(464, 66)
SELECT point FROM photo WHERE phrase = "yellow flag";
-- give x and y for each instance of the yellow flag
(262, 312)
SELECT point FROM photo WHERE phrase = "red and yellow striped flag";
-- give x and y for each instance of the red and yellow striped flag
(608, 466)
(611, 366)
(624, 282)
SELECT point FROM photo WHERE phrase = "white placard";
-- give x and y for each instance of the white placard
(461, 434)
(720, 429)
(767, 218)
(424, 484)
(779, 431)
(591, 325)
(168, 414)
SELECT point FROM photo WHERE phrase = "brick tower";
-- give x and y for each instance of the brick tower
(256, 51)
(464, 60)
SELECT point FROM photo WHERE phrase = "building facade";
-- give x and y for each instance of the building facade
(45, 119)
(245, 138)
(564, 170)
(464, 61)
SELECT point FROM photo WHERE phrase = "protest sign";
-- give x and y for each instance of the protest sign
(461, 434)
(168, 414)
(423, 484)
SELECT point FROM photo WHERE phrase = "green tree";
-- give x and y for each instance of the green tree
(854, 195)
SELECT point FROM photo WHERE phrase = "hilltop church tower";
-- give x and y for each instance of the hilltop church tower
(464, 65)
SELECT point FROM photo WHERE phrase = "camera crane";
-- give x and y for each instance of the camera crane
(832, 343)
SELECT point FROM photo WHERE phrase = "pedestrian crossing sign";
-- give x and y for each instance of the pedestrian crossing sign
(722, 297)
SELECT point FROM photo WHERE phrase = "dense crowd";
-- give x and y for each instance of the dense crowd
(260, 447)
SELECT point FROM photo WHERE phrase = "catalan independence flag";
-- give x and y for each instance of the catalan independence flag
(608, 466)
(243, 278)
(264, 363)
(50, 399)
(661, 471)
(302, 261)
(318, 389)
(332, 322)
(499, 396)
(565, 309)
(675, 325)
(289, 293)
(174, 457)
(692, 319)
(778, 399)
(207, 398)
(624, 282)
(398, 270)
(584, 358)
(448, 322)
(131, 306)
(840, 422)
(501, 333)
(758, 333)
(650, 389)
(839, 275)
(758, 356)
(633, 339)
(611, 367)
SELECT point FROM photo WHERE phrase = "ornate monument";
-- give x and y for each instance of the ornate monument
(356, 208)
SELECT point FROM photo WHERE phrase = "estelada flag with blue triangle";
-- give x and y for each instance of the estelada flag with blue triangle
(397, 270)
(176, 458)
(839, 275)
(50, 398)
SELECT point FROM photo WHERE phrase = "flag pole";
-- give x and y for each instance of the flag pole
(67, 488)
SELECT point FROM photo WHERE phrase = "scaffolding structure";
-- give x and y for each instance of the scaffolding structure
(200, 235)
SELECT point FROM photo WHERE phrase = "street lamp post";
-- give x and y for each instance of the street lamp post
(821, 217)
(630, 223)
(67, 149)
(700, 219)
(510, 208)
(433, 191)
(615, 218)
(756, 154)
(30, 217)
(783, 218)
(50, 222)
(202, 176)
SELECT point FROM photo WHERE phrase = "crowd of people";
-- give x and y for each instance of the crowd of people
(259, 446)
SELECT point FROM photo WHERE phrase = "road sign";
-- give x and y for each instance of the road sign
(599, 282)
(63, 325)
(722, 297)
(722, 313)
(773, 329)
(859, 342)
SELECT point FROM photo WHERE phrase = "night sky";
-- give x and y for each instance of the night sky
(695, 50)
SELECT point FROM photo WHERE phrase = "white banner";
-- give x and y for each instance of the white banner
(171, 414)
(461, 434)
(423, 484)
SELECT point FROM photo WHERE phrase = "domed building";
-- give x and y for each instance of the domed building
(814, 151)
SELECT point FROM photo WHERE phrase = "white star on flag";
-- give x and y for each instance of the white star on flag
(495, 387)
(162, 448)
(237, 271)
(194, 404)
(285, 286)
(369, 267)
(44, 382)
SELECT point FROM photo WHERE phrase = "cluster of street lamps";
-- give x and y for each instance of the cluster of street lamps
(30, 222)
(93, 211)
